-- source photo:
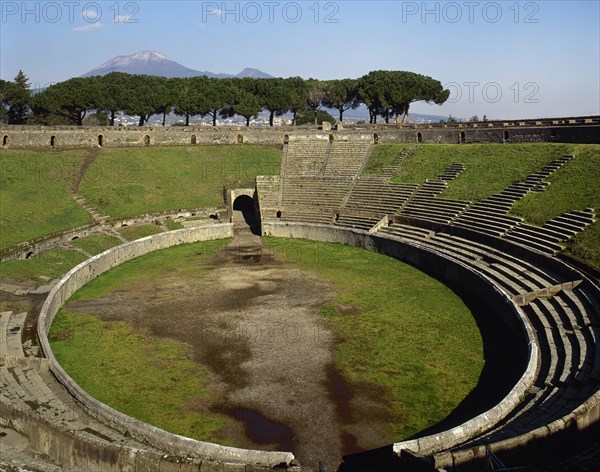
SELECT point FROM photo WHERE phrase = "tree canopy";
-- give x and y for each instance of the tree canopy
(385, 93)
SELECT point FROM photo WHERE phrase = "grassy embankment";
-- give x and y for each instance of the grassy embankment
(35, 198)
(492, 167)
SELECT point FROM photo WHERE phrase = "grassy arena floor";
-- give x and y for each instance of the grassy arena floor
(407, 334)
(120, 361)
(398, 331)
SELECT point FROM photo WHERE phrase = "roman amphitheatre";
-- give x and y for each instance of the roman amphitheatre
(375, 297)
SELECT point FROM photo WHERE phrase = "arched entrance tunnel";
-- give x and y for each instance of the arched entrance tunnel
(245, 214)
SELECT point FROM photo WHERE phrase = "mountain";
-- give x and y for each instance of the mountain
(155, 63)
(254, 73)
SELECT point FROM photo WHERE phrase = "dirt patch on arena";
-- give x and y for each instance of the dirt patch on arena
(254, 322)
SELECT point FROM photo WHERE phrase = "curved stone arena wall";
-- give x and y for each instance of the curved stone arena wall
(172, 443)
(430, 262)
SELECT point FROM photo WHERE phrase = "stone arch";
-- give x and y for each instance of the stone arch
(28, 255)
(419, 137)
(147, 140)
(240, 139)
(52, 141)
(100, 140)
(246, 205)
(375, 138)
(331, 137)
(286, 139)
(278, 214)
(462, 138)
(506, 136)
(5, 140)
(193, 139)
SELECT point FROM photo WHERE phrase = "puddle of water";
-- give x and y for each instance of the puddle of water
(261, 430)
(341, 396)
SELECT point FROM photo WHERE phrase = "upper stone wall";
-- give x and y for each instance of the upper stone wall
(576, 130)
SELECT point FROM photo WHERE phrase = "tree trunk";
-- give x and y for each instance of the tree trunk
(247, 121)
(271, 118)
(142, 119)
(214, 115)
(187, 118)
(112, 118)
(341, 114)
(164, 117)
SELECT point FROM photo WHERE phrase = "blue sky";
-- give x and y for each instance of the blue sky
(503, 59)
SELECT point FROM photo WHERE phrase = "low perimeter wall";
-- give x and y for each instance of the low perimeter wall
(176, 445)
(446, 270)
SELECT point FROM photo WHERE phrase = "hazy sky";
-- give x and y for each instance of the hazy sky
(502, 59)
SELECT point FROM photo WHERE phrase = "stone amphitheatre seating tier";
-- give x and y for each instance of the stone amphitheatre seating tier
(547, 238)
(364, 222)
(315, 192)
(307, 215)
(490, 214)
(566, 324)
(267, 188)
(314, 158)
(424, 204)
(373, 193)
(346, 159)
(305, 158)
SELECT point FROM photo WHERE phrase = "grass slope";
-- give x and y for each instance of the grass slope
(410, 339)
(490, 168)
(34, 194)
(382, 156)
(131, 181)
(574, 186)
(96, 243)
(139, 231)
(48, 265)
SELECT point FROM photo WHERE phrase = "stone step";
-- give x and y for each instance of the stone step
(474, 213)
(567, 230)
(534, 243)
(545, 234)
(479, 224)
(481, 228)
(575, 222)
